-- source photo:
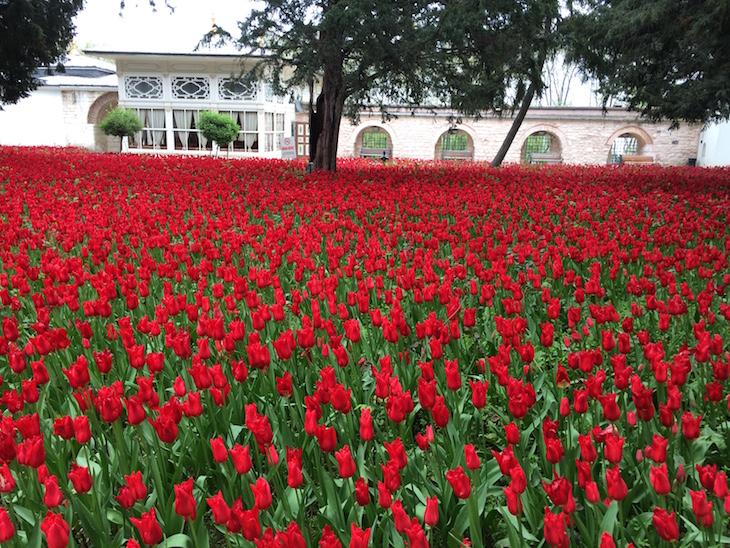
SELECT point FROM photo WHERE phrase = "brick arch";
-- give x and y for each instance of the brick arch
(101, 106)
(553, 130)
(461, 127)
(636, 131)
(386, 128)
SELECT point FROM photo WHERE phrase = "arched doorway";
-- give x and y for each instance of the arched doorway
(374, 142)
(542, 147)
(98, 110)
(454, 144)
(628, 145)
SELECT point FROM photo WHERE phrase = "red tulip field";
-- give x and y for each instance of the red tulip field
(227, 353)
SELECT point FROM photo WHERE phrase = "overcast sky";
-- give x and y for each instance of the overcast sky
(139, 28)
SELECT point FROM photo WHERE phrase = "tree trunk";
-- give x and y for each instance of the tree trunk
(324, 128)
(526, 101)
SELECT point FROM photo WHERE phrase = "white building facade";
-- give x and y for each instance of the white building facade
(169, 91)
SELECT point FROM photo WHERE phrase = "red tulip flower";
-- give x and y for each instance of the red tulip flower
(459, 482)
(359, 538)
(262, 493)
(345, 462)
(554, 529)
(80, 478)
(659, 478)
(221, 511)
(241, 458)
(665, 524)
(471, 457)
(53, 496)
(7, 529)
(185, 504)
(56, 530)
(431, 515)
(691, 425)
(362, 493)
(366, 424)
(220, 453)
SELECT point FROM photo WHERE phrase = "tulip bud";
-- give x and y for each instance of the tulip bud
(681, 476)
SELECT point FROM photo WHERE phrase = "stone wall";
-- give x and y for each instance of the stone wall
(585, 135)
(76, 105)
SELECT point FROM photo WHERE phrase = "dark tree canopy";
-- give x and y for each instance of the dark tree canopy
(669, 59)
(33, 34)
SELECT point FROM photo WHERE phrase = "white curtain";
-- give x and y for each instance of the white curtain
(147, 123)
(252, 128)
(182, 121)
(203, 140)
(158, 120)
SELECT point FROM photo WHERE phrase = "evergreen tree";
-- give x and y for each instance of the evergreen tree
(668, 59)
(359, 51)
(33, 34)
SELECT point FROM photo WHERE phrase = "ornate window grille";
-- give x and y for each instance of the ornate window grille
(231, 89)
(143, 87)
(190, 87)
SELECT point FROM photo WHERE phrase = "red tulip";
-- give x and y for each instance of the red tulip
(472, 459)
(80, 478)
(691, 425)
(384, 496)
(185, 504)
(220, 453)
(362, 493)
(345, 462)
(615, 485)
(359, 538)
(53, 496)
(262, 493)
(366, 424)
(607, 541)
(56, 530)
(665, 524)
(241, 458)
(554, 529)
(329, 539)
(431, 515)
(7, 529)
(702, 508)
(221, 511)
(459, 482)
(660, 479)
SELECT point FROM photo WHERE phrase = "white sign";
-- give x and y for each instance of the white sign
(288, 148)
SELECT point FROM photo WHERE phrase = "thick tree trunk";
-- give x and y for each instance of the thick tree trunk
(526, 101)
(324, 127)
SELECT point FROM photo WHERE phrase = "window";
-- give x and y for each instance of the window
(274, 131)
(454, 142)
(231, 89)
(186, 134)
(190, 87)
(153, 134)
(537, 144)
(248, 137)
(623, 145)
(143, 87)
(375, 139)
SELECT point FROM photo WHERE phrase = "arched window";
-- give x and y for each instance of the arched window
(542, 147)
(625, 145)
(454, 145)
(374, 142)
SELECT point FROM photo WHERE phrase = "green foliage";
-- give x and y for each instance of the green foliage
(667, 59)
(121, 122)
(33, 34)
(218, 127)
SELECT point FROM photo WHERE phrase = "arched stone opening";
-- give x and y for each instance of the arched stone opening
(454, 144)
(630, 145)
(97, 111)
(542, 147)
(374, 142)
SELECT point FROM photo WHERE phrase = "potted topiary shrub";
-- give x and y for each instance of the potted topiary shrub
(218, 128)
(121, 122)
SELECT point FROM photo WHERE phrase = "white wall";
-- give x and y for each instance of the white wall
(714, 147)
(35, 120)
